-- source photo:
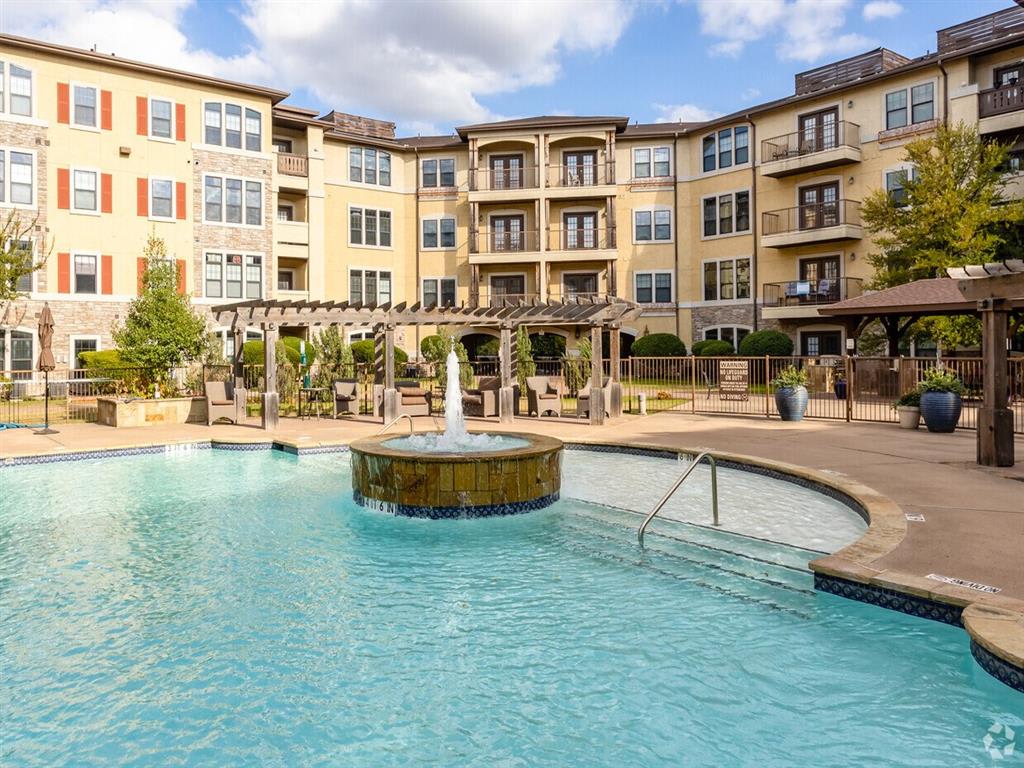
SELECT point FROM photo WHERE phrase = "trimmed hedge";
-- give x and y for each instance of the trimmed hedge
(713, 348)
(659, 345)
(252, 351)
(104, 359)
(362, 352)
(761, 343)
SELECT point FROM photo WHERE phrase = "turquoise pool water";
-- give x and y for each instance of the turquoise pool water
(226, 608)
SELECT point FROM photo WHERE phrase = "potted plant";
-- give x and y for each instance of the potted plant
(791, 393)
(909, 409)
(941, 401)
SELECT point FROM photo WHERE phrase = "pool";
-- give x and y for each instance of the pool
(237, 608)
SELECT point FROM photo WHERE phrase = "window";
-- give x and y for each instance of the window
(84, 191)
(232, 201)
(922, 106)
(17, 344)
(84, 112)
(369, 166)
(223, 126)
(160, 118)
(233, 275)
(644, 168)
(438, 173)
(161, 198)
(653, 287)
(733, 334)
(726, 214)
(82, 344)
(439, 291)
(21, 91)
(85, 273)
(212, 123)
(369, 285)
(369, 227)
(286, 280)
(22, 178)
(214, 275)
(439, 233)
(23, 249)
(233, 126)
(283, 145)
(895, 184)
(285, 212)
(726, 148)
(652, 225)
(641, 163)
(727, 279)
(253, 276)
(253, 130)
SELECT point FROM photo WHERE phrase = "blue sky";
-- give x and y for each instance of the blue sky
(430, 66)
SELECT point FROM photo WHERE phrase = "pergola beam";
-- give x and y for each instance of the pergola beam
(1007, 286)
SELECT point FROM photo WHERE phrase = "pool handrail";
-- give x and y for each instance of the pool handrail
(675, 486)
(401, 416)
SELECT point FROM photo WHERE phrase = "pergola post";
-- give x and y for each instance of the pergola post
(506, 394)
(614, 385)
(596, 377)
(995, 419)
(384, 355)
(270, 399)
(238, 373)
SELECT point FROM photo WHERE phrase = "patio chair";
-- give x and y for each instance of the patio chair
(544, 395)
(482, 401)
(220, 401)
(583, 399)
(346, 397)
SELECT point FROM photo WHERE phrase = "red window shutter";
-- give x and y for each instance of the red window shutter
(179, 200)
(63, 103)
(179, 122)
(142, 196)
(106, 193)
(180, 264)
(140, 270)
(63, 273)
(64, 188)
(141, 116)
(106, 110)
(106, 275)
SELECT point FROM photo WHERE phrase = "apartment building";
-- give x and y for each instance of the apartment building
(716, 229)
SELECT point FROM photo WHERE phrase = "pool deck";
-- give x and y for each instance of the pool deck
(973, 526)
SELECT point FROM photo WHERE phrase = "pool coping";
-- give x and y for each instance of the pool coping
(994, 623)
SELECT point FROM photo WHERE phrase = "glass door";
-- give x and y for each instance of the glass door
(507, 234)
(580, 231)
(579, 169)
(507, 289)
(507, 172)
(822, 278)
(819, 131)
(819, 206)
(582, 284)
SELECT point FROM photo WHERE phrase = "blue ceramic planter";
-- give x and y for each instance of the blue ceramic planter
(791, 402)
(940, 410)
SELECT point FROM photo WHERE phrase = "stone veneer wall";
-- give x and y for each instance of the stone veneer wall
(708, 317)
(32, 138)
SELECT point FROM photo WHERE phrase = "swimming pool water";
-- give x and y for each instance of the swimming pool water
(228, 608)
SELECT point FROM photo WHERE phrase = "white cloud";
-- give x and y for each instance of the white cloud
(881, 9)
(806, 30)
(750, 94)
(417, 63)
(683, 113)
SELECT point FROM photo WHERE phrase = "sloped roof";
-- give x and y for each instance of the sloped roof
(937, 296)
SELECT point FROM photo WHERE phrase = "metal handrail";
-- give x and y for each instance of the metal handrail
(394, 421)
(675, 486)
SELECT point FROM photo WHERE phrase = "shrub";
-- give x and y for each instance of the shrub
(790, 377)
(546, 345)
(105, 359)
(713, 348)
(940, 380)
(362, 352)
(252, 351)
(489, 348)
(911, 399)
(761, 343)
(659, 345)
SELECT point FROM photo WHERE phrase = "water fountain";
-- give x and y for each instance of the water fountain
(456, 473)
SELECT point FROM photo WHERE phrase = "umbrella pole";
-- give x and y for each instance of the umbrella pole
(46, 407)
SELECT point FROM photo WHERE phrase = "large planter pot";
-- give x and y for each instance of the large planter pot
(941, 410)
(910, 417)
(840, 389)
(791, 402)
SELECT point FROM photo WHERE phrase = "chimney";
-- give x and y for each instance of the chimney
(363, 126)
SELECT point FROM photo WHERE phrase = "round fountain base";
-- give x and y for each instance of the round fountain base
(456, 485)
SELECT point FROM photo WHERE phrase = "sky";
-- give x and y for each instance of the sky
(431, 66)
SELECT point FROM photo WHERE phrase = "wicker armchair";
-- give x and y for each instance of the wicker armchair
(544, 395)
(583, 399)
(346, 397)
(220, 401)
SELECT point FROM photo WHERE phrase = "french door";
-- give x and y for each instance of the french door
(507, 233)
(819, 206)
(579, 169)
(507, 289)
(580, 284)
(823, 276)
(506, 172)
(580, 231)
(819, 131)
(815, 343)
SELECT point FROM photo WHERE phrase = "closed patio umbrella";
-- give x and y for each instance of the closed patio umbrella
(46, 362)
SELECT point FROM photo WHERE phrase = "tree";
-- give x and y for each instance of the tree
(160, 330)
(16, 236)
(336, 360)
(525, 366)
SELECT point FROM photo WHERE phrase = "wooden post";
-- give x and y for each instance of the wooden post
(506, 394)
(596, 377)
(614, 384)
(271, 399)
(474, 285)
(848, 362)
(611, 279)
(390, 394)
(238, 373)
(995, 420)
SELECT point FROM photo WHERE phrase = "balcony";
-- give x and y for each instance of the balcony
(503, 183)
(291, 239)
(803, 151)
(497, 247)
(292, 165)
(502, 299)
(565, 181)
(801, 298)
(997, 108)
(581, 244)
(810, 224)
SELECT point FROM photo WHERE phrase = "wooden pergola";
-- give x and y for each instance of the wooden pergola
(599, 315)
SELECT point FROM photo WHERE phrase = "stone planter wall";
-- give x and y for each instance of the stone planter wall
(113, 412)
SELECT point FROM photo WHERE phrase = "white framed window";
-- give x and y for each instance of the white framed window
(653, 287)
(232, 201)
(17, 178)
(438, 291)
(227, 339)
(727, 279)
(85, 269)
(726, 214)
(364, 335)
(367, 165)
(725, 148)
(161, 119)
(285, 279)
(85, 190)
(253, 130)
(733, 334)
(16, 96)
(438, 172)
(161, 198)
(370, 286)
(369, 227)
(85, 112)
(895, 180)
(232, 275)
(438, 233)
(233, 126)
(25, 249)
(652, 162)
(17, 351)
(285, 212)
(652, 225)
(909, 106)
(79, 344)
(283, 145)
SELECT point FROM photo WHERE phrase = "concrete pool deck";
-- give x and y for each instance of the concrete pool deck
(973, 517)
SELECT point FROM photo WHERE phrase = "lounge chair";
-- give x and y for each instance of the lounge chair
(544, 395)
(220, 401)
(583, 399)
(412, 399)
(483, 401)
(346, 397)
